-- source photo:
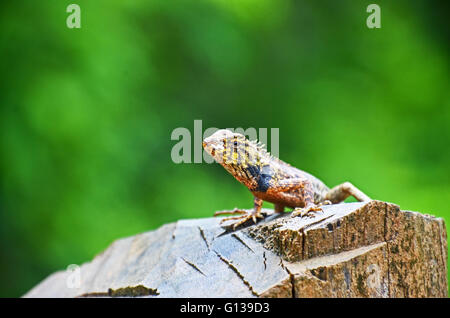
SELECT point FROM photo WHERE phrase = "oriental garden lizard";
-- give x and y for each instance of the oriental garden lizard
(271, 179)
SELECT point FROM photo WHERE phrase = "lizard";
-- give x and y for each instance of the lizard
(270, 179)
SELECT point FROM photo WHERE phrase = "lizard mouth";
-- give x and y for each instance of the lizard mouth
(210, 150)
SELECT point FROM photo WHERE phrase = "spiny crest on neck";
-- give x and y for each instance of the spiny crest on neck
(234, 149)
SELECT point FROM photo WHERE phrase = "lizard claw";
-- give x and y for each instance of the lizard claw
(326, 202)
(246, 216)
(234, 211)
(302, 212)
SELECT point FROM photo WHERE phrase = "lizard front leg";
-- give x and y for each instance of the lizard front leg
(246, 215)
(343, 191)
(309, 202)
(309, 205)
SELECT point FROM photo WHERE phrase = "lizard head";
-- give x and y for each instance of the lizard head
(227, 147)
(235, 153)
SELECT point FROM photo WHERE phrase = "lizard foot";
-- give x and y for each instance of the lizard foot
(246, 215)
(234, 211)
(302, 212)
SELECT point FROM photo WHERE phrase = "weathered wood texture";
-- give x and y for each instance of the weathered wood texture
(350, 250)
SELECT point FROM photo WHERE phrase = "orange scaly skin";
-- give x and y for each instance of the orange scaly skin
(271, 179)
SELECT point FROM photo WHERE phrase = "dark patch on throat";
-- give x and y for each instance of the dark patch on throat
(262, 175)
(253, 170)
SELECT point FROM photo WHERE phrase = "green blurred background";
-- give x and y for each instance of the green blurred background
(86, 114)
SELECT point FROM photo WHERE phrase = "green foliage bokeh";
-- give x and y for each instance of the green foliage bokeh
(86, 114)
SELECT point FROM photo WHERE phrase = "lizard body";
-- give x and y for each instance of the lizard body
(271, 179)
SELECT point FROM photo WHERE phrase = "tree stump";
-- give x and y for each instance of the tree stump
(362, 249)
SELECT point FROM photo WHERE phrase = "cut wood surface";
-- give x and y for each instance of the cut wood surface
(370, 249)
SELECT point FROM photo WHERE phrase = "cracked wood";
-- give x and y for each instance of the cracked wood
(350, 250)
